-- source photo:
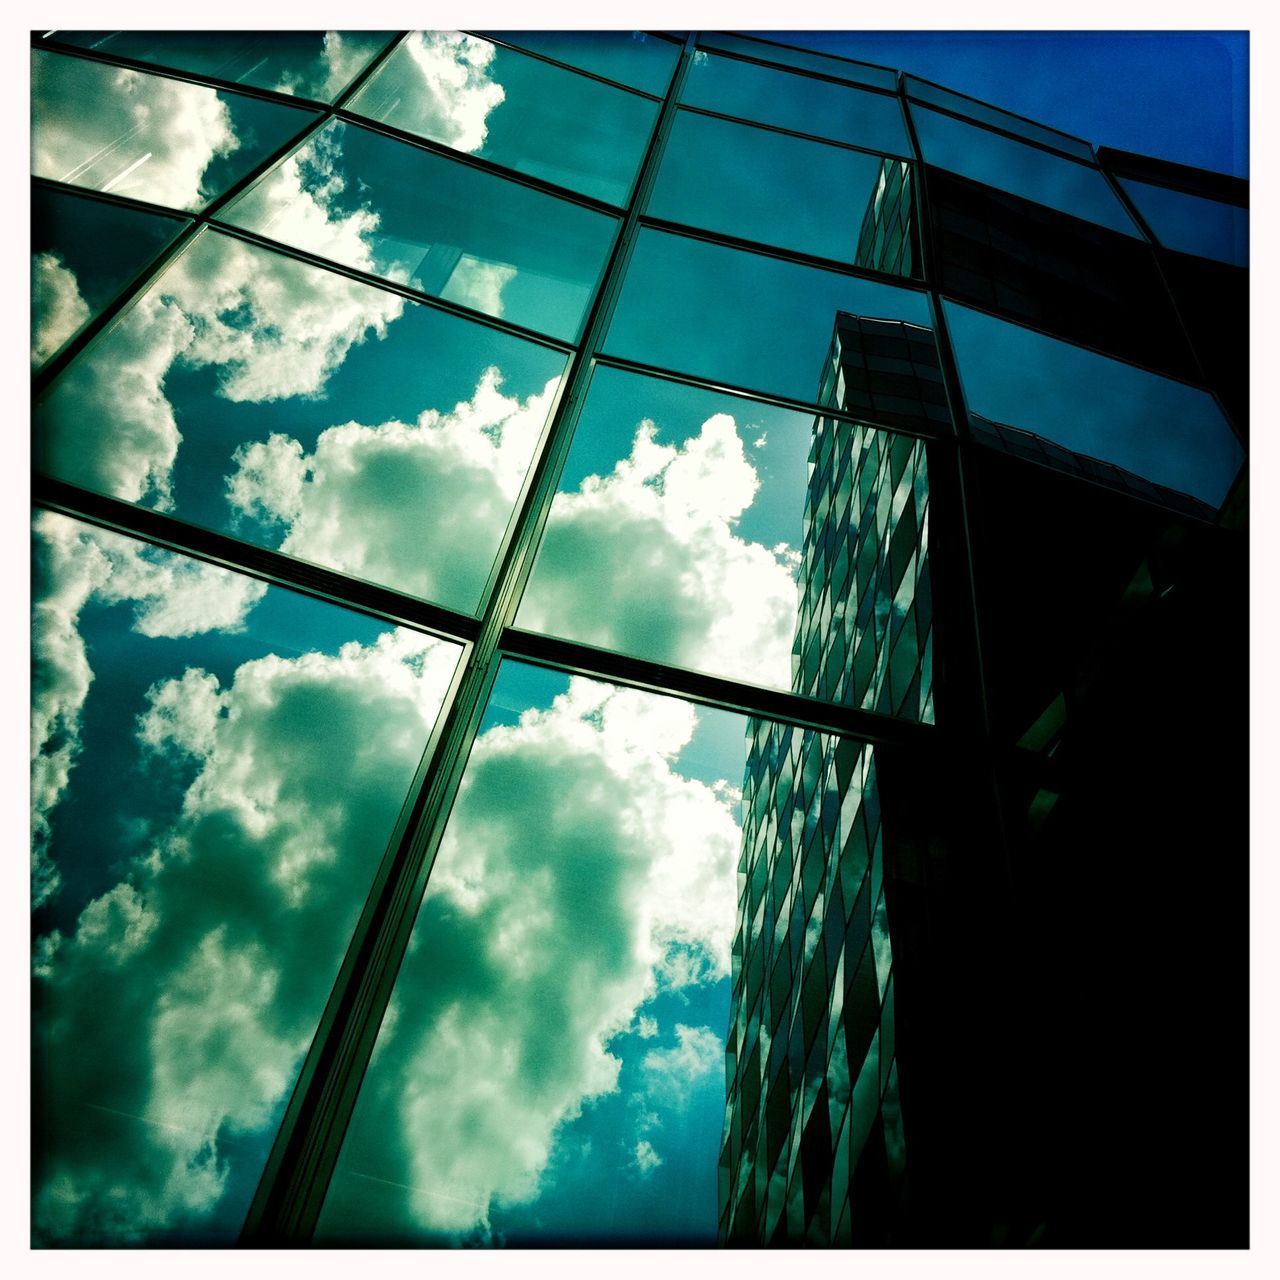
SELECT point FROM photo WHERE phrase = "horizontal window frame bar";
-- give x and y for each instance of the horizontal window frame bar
(704, 689)
(566, 66)
(265, 564)
(796, 257)
(756, 38)
(796, 133)
(803, 407)
(798, 71)
(1188, 180)
(968, 97)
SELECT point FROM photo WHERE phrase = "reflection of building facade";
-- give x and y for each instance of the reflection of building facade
(813, 1136)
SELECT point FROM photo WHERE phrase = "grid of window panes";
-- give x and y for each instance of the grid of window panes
(412, 412)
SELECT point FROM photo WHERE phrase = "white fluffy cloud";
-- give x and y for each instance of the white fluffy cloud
(647, 560)
(419, 506)
(57, 309)
(176, 1014)
(576, 860)
(451, 100)
(671, 1072)
(74, 565)
(120, 130)
(274, 328)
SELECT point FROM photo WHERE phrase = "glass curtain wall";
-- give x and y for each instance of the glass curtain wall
(483, 539)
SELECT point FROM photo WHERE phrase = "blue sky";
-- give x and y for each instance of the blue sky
(1182, 95)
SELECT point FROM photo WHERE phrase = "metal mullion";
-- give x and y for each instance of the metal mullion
(491, 167)
(290, 1196)
(53, 367)
(795, 256)
(807, 408)
(391, 286)
(563, 66)
(114, 198)
(721, 692)
(274, 567)
(1003, 133)
(791, 133)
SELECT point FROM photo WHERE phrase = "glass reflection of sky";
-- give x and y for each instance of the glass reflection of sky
(171, 893)
(1167, 432)
(1190, 224)
(634, 1162)
(636, 58)
(518, 111)
(387, 362)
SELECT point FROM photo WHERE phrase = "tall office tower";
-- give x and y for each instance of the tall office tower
(568, 562)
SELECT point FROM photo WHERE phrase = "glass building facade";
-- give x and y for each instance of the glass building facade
(619, 630)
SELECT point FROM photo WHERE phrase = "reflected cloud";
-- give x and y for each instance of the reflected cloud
(646, 560)
(543, 932)
(124, 131)
(176, 1014)
(57, 307)
(75, 565)
(452, 100)
(421, 504)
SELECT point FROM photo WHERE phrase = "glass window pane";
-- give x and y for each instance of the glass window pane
(384, 206)
(786, 191)
(277, 402)
(741, 318)
(552, 1067)
(846, 114)
(311, 64)
(1022, 170)
(630, 57)
(985, 113)
(1163, 431)
(83, 253)
(149, 137)
(805, 59)
(517, 111)
(1192, 224)
(711, 532)
(217, 768)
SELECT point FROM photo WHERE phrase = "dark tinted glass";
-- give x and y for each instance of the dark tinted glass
(145, 136)
(801, 103)
(786, 191)
(1192, 224)
(1163, 431)
(518, 111)
(83, 253)
(987, 114)
(741, 318)
(1021, 169)
(217, 768)
(630, 57)
(277, 402)
(441, 226)
(312, 64)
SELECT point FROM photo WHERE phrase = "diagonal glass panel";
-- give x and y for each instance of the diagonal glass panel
(1019, 168)
(759, 185)
(636, 58)
(149, 137)
(490, 101)
(985, 113)
(1193, 224)
(803, 59)
(1150, 428)
(711, 532)
(311, 64)
(552, 1065)
(280, 403)
(801, 103)
(83, 254)
(741, 318)
(217, 767)
(384, 206)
